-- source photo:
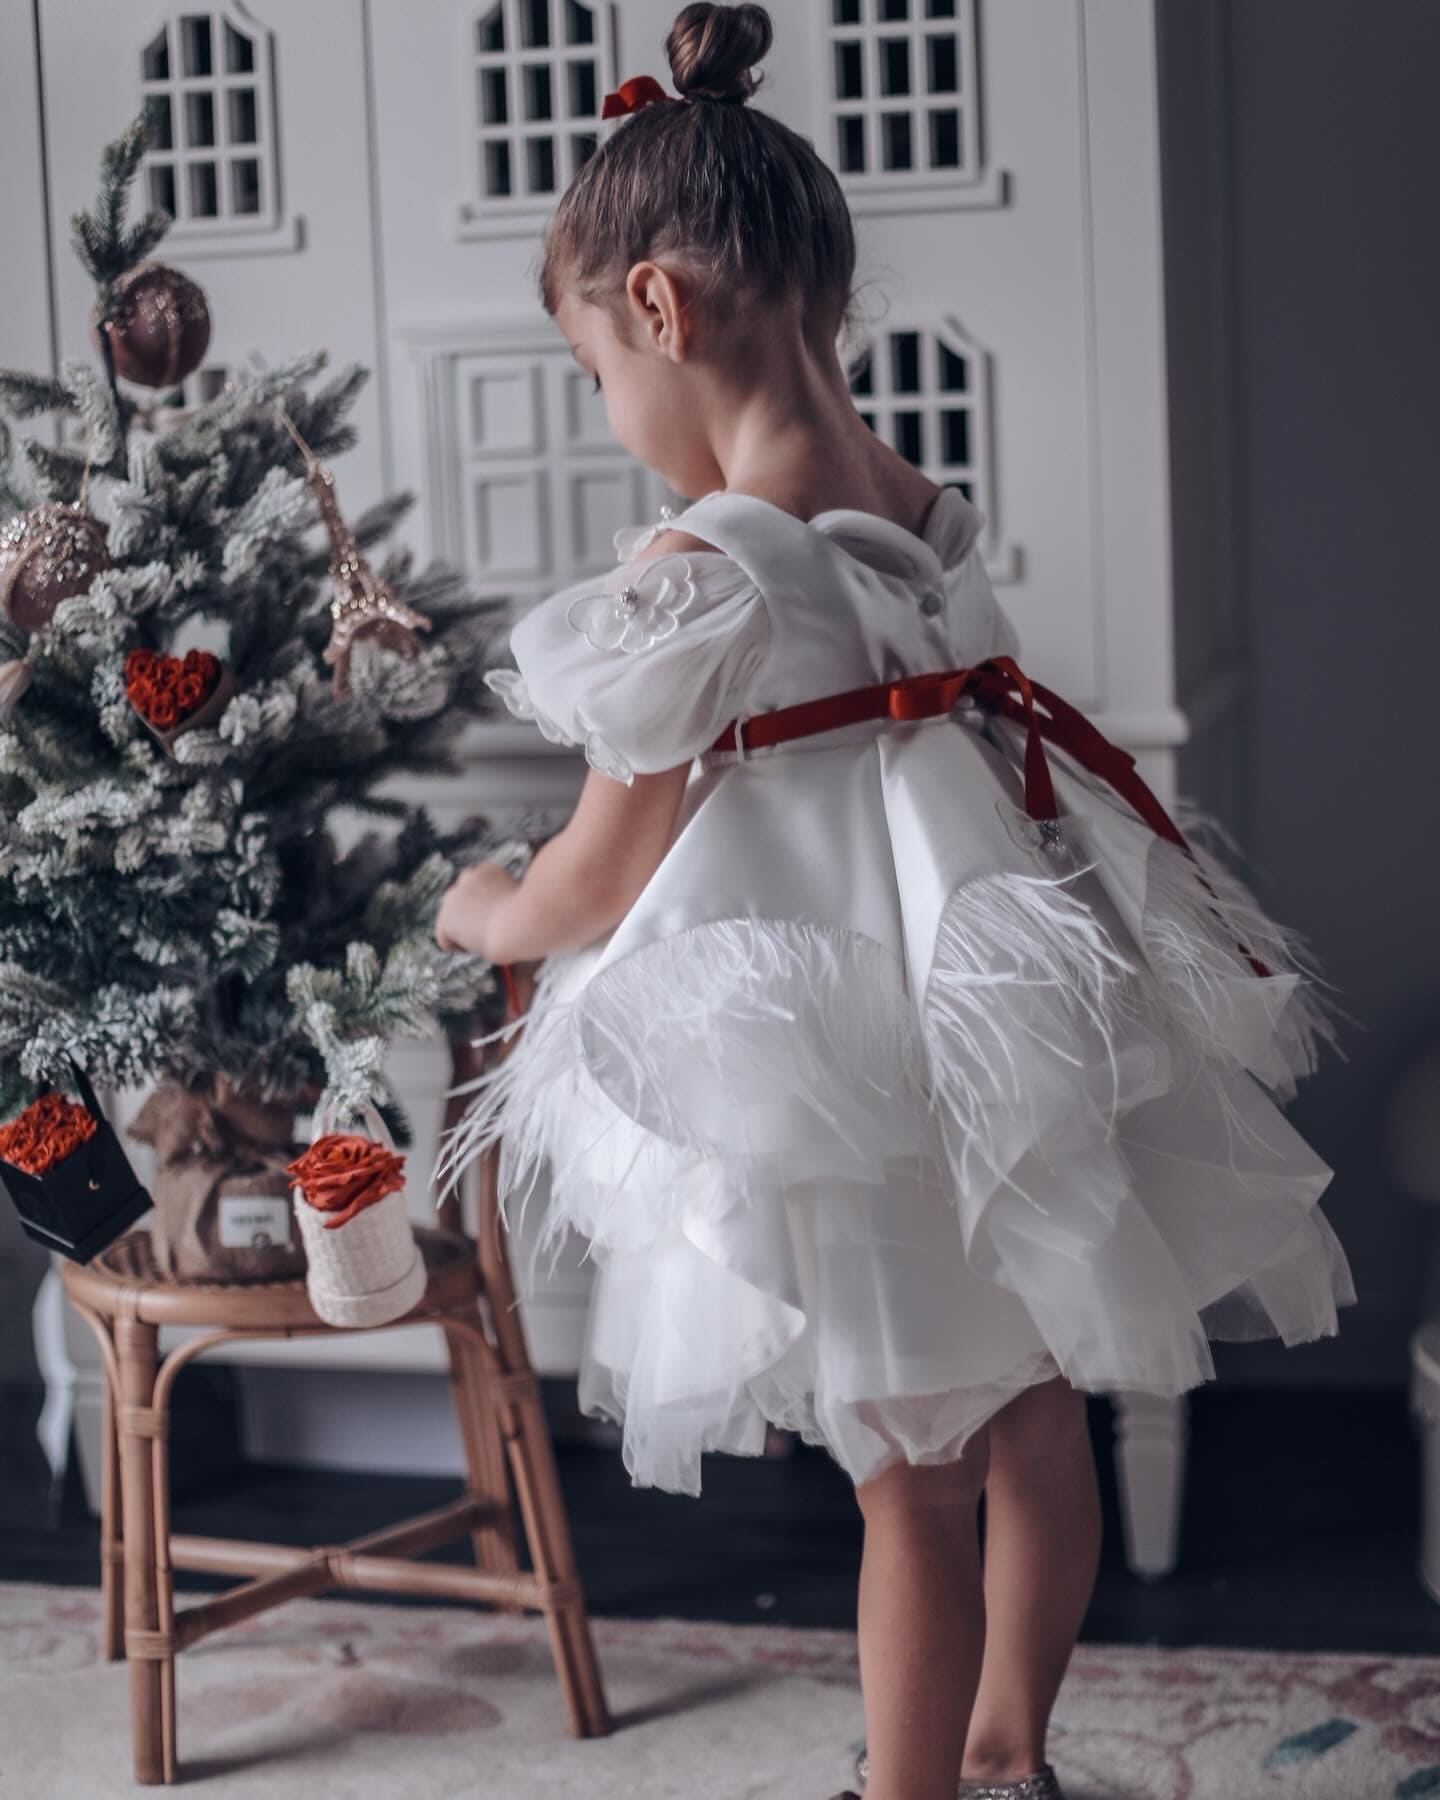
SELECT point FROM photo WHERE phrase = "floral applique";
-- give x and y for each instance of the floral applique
(603, 755)
(630, 540)
(639, 613)
(509, 684)
(1058, 844)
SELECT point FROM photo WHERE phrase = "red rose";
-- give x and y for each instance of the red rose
(343, 1173)
(48, 1130)
(165, 690)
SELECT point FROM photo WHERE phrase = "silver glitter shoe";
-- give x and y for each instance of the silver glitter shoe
(1042, 1785)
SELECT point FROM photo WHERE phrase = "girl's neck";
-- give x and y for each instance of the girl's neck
(790, 433)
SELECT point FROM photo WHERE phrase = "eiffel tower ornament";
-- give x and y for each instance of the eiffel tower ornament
(362, 606)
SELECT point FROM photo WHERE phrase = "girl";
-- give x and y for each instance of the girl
(909, 1071)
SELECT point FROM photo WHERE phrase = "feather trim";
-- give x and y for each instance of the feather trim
(1273, 1025)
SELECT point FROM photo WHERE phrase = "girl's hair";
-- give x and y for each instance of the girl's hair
(742, 200)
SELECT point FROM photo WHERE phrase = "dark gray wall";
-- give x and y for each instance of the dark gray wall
(1324, 157)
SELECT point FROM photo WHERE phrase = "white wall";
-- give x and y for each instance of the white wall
(1334, 159)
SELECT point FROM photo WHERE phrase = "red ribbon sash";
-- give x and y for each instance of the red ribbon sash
(1000, 686)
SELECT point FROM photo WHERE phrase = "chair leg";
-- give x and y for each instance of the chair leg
(148, 1645)
(542, 1507)
(112, 1531)
(537, 1480)
(494, 1545)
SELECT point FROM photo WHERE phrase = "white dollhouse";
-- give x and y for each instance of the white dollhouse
(372, 176)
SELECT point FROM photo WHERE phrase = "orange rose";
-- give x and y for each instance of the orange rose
(343, 1173)
(48, 1130)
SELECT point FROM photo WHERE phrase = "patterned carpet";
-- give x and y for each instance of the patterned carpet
(339, 1699)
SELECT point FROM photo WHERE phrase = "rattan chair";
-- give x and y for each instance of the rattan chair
(469, 1294)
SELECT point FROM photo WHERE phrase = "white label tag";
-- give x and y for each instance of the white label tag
(254, 1221)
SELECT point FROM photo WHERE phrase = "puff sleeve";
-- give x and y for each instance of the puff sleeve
(644, 666)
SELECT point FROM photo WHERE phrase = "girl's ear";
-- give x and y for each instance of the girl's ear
(659, 302)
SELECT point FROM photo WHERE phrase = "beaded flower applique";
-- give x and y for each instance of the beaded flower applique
(630, 540)
(1058, 844)
(638, 614)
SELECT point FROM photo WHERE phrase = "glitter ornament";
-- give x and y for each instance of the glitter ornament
(48, 555)
(363, 607)
(157, 326)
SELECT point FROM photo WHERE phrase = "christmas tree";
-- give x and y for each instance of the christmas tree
(196, 692)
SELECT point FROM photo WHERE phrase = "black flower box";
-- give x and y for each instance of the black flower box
(82, 1204)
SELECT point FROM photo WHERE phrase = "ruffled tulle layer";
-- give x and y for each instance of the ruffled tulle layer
(823, 1195)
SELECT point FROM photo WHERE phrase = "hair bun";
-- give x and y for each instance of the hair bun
(712, 50)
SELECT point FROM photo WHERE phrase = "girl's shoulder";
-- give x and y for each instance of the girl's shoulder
(645, 665)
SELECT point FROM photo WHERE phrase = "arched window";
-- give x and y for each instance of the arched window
(207, 78)
(902, 92)
(536, 73)
(926, 391)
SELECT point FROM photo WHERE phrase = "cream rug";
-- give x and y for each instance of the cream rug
(334, 1699)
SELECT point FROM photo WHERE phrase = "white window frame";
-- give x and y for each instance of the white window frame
(973, 183)
(226, 232)
(553, 459)
(483, 215)
(929, 400)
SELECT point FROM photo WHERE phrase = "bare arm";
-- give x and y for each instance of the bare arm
(579, 884)
(588, 876)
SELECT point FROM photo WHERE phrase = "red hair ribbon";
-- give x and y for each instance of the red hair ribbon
(631, 95)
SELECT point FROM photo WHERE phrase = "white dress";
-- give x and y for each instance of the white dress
(875, 1108)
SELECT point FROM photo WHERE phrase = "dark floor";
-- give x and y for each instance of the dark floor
(1299, 1529)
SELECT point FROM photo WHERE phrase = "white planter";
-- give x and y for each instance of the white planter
(369, 1270)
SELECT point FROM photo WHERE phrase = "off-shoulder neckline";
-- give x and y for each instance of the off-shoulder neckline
(923, 549)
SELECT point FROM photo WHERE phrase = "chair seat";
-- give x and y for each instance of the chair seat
(128, 1267)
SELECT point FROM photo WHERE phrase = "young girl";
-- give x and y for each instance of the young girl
(907, 1069)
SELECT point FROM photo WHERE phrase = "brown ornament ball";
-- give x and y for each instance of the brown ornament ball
(46, 556)
(159, 326)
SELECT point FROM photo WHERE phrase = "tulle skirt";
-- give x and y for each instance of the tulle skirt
(879, 1107)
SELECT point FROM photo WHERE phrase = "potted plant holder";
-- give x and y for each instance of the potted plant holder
(224, 1211)
(366, 1270)
(88, 1197)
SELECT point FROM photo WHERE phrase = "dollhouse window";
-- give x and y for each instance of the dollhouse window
(524, 483)
(926, 392)
(536, 73)
(207, 79)
(902, 90)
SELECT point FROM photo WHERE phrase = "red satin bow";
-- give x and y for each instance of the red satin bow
(631, 95)
(999, 685)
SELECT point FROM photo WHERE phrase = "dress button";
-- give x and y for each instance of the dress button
(932, 601)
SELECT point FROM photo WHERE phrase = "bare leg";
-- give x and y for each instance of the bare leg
(1042, 1550)
(922, 1622)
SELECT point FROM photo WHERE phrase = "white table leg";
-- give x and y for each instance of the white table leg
(1151, 1434)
